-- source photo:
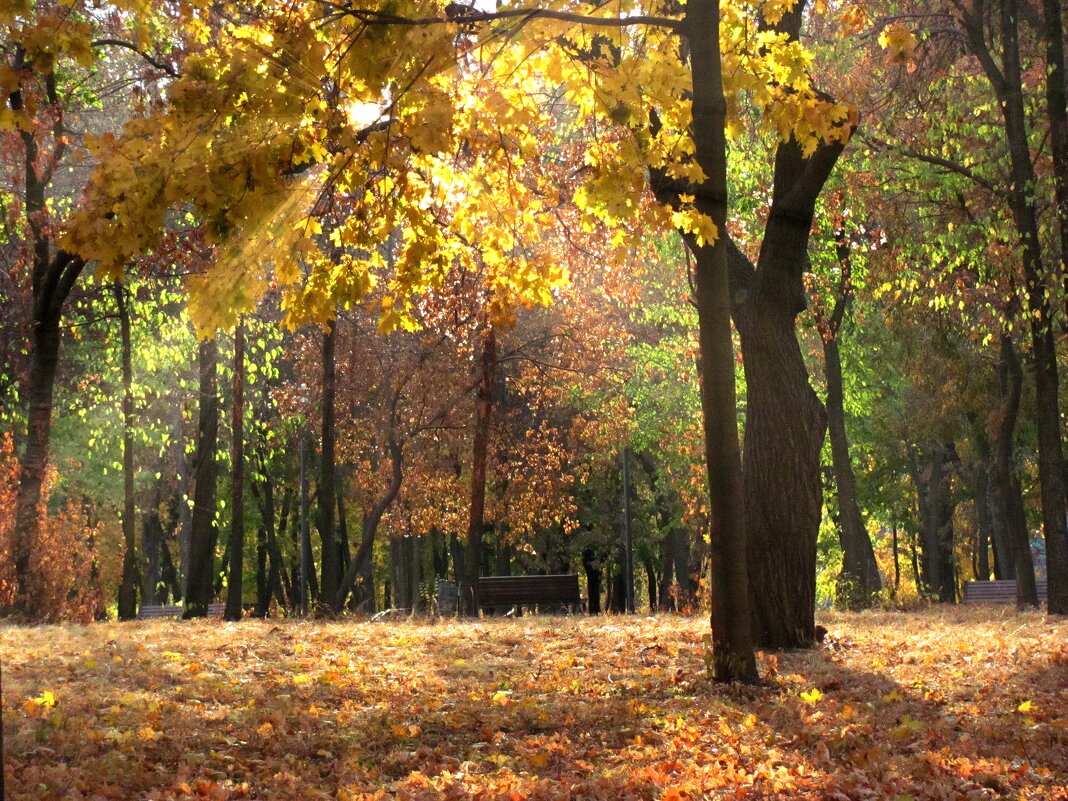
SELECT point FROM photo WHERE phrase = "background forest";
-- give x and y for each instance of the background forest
(444, 264)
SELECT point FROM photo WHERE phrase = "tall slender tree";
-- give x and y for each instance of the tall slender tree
(327, 472)
(237, 480)
(128, 586)
(201, 573)
(732, 649)
(978, 20)
(486, 365)
(859, 579)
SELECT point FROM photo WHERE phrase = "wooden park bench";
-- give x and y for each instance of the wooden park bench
(148, 612)
(996, 592)
(548, 593)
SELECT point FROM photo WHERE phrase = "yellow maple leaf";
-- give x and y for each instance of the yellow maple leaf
(898, 41)
(1026, 706)
(812, 696)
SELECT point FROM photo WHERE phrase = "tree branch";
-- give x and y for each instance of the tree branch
(455, 13)
(155, 62)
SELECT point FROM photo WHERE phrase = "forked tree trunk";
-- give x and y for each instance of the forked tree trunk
(361, 562)
(203, 533)
(237, 467)
(128, 586)
(52, 279)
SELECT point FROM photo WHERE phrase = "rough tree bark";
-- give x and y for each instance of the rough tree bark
(198, 592)
(237, 467)
(732, 647)
(128, 586)
(785, 420)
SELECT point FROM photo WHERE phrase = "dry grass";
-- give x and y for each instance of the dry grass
(954, 704)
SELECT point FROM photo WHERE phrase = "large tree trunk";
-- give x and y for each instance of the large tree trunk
(128, 586)
(785, 421)
(326, 488)
(34, 463)
(237, 497)
(784, 429)
(198, 593)
(732, 647)
(1056, 94)
(860, 579)
(487, 366)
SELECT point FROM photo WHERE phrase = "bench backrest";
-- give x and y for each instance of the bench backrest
(148, 611)
(509, 590)
(996, 592)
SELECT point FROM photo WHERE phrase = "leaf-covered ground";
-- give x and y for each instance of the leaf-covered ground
(956, 704)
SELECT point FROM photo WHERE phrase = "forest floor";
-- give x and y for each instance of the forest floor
(941, 704)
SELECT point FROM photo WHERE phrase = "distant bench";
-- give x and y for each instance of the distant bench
(548, 593)
(996, 592)
(149, 612)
